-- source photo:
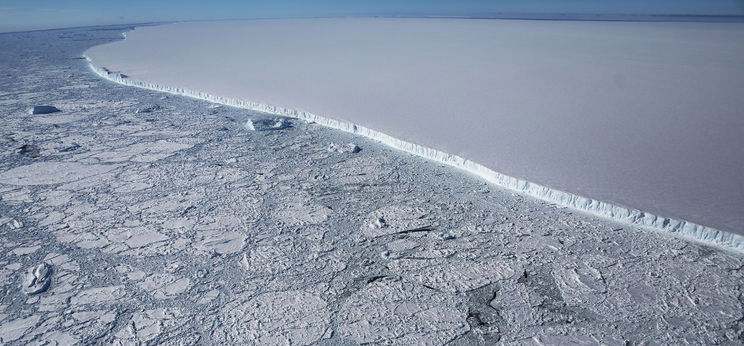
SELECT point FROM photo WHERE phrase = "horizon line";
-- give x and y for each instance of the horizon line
(537, 16)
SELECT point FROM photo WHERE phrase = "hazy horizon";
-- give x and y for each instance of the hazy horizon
(19, 15)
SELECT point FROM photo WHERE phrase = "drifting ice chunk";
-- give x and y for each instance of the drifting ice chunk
(43, 110)
(29, 150)
(379, 223)
(148, 109)
(396, 219)
(37, 279)
(344, 148)
(15, 224)
(267, 124)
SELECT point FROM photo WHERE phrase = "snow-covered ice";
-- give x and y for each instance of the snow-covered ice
(636, 121)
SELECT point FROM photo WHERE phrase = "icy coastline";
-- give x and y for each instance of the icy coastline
(681, 228)
(136, 217)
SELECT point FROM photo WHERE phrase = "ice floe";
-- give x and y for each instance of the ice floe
(37, 279)
(267, 124)
(43, 110)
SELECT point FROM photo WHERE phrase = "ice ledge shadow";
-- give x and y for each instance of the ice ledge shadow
(680, 228)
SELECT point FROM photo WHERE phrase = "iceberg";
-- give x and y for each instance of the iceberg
(628, 121)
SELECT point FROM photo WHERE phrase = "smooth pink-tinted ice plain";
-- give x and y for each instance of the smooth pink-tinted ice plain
(646, 115)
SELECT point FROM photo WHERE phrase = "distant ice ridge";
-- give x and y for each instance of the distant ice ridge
(680, 228)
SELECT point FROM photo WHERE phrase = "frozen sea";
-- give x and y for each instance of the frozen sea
(133, 217)
(641, 115)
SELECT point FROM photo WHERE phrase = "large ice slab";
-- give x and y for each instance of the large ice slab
(627, 120)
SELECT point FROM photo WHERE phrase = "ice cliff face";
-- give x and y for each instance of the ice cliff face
(681, 228)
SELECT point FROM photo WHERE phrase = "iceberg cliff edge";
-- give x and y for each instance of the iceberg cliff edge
(681, 228)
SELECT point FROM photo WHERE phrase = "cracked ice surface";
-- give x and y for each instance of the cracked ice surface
(645, 117)
(391, 310)
(180, 226)
(274, 318)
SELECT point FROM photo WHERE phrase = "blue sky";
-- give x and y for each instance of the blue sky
(38, 14)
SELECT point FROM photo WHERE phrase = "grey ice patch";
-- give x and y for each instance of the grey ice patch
(299, 211)
(266, 260)
(16, 329)
(51, 172)
(37, 279)
(521, 308)
(394, 312)
(274, 318)
(144, 151)
(99, 295)
(579, 284)
(165, 286)
(576, 340)
(15, 224)
(395, 219)
(29, 150)
(379, 223)
(451, 275)
(148, 325)
(344, 148)
(219, 241)
(148, 109)
(43, 110)
(267, 124)
(69, 148)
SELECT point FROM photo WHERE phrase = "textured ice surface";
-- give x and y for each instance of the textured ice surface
(48, 172)
(643, 115)
(182, 227)
(275, 318)
(394, 312)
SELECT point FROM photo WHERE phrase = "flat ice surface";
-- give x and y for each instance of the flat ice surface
(646, 115)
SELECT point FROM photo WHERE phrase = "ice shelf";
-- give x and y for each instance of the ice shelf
(599, 195)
